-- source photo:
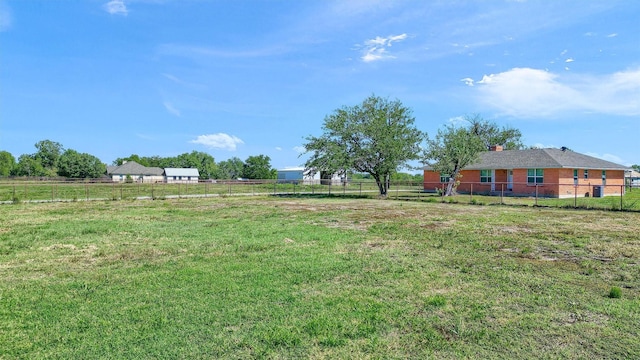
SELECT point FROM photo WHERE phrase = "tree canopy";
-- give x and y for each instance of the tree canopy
(73, 164)
(453, 147)
(258, 167)
(377, 137)
(7, 163)
(230, 169)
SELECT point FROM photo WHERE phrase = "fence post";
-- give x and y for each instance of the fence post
(536, 194)
(330, 181)
(501, 194)
(621, 196)
(52, 188)
(26, 192)
(575, 196)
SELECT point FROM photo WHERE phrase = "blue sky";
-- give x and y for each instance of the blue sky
(240, 78)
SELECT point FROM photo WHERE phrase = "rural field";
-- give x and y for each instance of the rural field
(316, 277)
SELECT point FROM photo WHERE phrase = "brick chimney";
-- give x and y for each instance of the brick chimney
(496, 148)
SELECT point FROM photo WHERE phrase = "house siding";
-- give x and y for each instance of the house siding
(556, 182)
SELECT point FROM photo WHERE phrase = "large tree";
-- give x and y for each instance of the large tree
(73, 164)
(7, 163)
(48, 154)
(258, 167)
(377, 137)
(453, 147)
(230, 169)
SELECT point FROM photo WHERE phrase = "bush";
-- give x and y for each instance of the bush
(615, 292)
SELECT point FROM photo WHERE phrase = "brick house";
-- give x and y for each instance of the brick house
(559, 173)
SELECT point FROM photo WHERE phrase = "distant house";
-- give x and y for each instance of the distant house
(633, 178)
(298, 174)
(181, 175)
(136, 172)
(557, 173)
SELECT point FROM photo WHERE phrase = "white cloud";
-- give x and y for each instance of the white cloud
(534, 93)
(376, 49)
(569, 60)
(299, 149)
(218, 141)
(467, 81)
(543, 146)
(612, 35)
(116, 7)
(609, 157)
(170, 108)
(278, 148)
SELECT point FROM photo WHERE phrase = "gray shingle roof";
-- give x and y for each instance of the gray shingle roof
(540, 159)
(133, 168)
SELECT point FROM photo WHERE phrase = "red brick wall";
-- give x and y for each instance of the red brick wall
(557, 182)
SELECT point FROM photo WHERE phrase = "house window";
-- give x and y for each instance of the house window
(444, 178)
(535, 176)
(586, 173)
(604, 177)
(575, 176)
(485, 176)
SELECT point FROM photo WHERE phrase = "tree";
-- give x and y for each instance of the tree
(376, 137)
(7, 163)
(80, 165)
(452, 149)
(230, 169)
(132, 157)
(258, 167)
(636, 167)
(28, 165)
(490, 134)
(456, 147)
(48, 154)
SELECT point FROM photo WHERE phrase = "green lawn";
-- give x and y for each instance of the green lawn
(268, 277)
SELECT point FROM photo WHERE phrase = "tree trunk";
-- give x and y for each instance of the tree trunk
(451, 185)
(383, 184)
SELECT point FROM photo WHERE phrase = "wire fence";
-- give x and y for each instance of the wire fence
(609, 197)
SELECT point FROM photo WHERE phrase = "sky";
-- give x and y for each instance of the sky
(241, 78)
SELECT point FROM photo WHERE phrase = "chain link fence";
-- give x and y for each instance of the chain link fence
(607, 197)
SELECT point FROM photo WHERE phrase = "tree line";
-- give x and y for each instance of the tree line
(51, 159)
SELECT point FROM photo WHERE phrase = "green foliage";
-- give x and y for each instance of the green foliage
(230, 169)
(7, 163)
(73, 164)
(454, 148)
(377, 137)
(258, 167)
(615, 292)
(28, 165)
(48, 154)
(490, 134)
(636, 167)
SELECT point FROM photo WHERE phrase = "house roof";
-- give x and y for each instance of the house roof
(133, 168)
(181, 172)
(539, 159)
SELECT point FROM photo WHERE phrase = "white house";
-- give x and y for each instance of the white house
(298, 174)
(181, 175)
(136, 172)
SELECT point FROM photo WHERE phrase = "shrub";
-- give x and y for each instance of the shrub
(615, 292)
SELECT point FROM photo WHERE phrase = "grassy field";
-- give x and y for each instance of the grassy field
(280, 277)
(60, 191)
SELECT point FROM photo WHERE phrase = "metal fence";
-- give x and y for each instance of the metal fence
(614, 197)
